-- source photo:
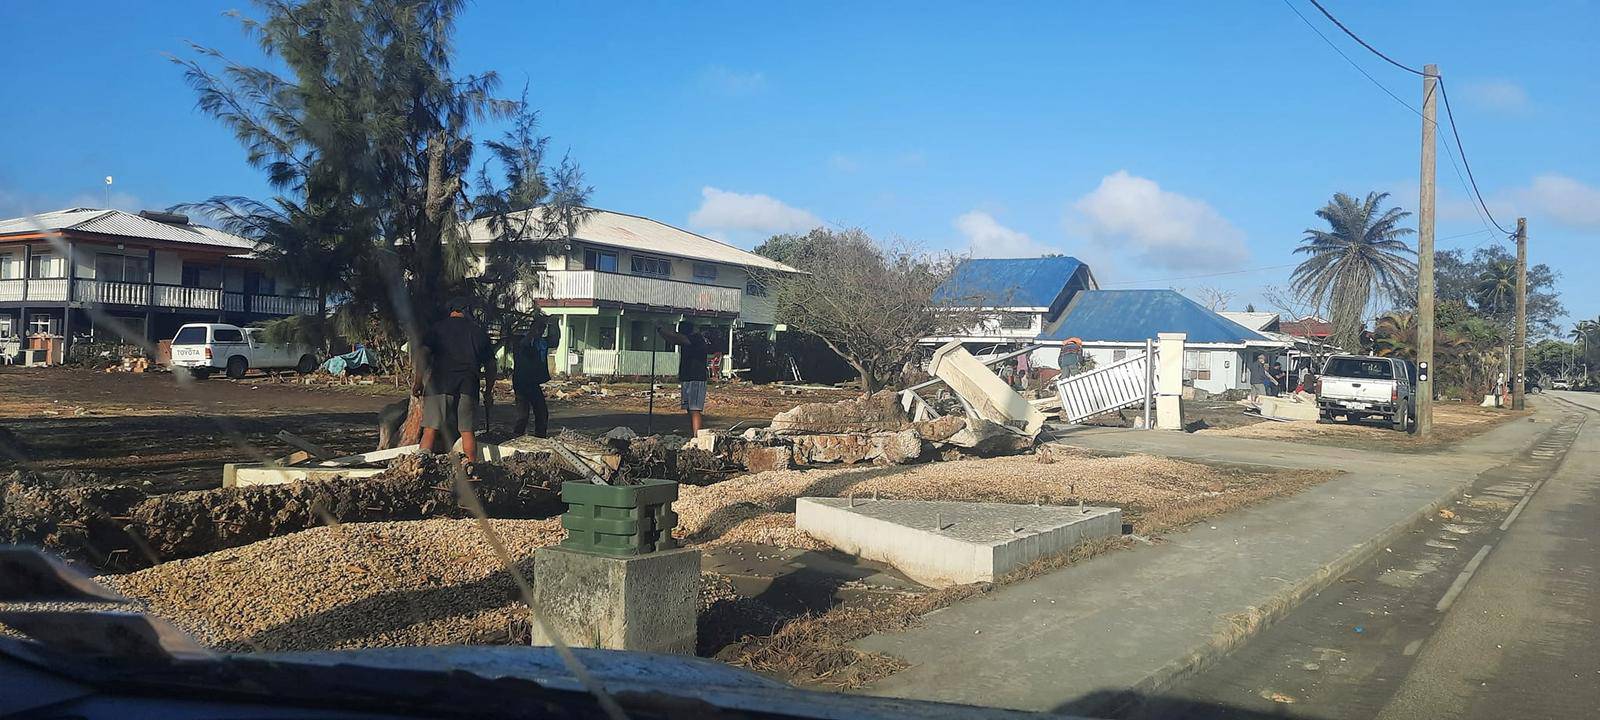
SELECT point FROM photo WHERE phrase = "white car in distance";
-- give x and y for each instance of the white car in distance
(204, 348)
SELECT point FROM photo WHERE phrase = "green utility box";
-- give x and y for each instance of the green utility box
(619, 519)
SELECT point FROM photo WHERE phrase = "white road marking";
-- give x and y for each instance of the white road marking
(1461, 580)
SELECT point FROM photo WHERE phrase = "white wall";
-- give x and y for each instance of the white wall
(1222, 363)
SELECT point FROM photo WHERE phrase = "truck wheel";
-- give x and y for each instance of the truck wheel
(200, 373)
(307, 365)
(237, 366)
(1399, 420)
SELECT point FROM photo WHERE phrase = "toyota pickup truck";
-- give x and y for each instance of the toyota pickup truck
(204, 348)
(1357, 386)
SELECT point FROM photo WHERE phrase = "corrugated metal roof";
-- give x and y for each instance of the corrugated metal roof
(1257, 321)
(632, 232)
(1011, 282)
(122, 224)
(1138, 315)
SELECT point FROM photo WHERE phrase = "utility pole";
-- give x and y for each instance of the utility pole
(1520, 365)
(1424, 389)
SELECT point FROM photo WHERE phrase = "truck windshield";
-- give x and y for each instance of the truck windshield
(190, 336)
(1360, 368)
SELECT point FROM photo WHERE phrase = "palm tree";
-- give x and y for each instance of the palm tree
(1362, 254)
(1395, 335)
(1495, 289)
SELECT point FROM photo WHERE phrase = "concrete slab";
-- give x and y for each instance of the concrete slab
(1288, 407)
(247, 474)
(977, 384)
(940, 544)
(646, 603)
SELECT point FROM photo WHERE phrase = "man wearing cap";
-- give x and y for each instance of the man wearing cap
(456, 357)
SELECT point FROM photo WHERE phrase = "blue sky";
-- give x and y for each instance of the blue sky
(1158, 141)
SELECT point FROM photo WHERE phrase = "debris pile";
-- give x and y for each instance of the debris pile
(118, 527)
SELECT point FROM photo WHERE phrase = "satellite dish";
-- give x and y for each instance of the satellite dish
(108, 179)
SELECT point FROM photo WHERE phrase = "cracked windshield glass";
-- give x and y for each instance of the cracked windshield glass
(434, 358)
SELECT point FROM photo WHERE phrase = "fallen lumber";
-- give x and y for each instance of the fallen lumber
(319, 451)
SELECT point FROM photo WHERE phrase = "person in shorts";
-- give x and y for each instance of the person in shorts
(455, 359)
(693, 350)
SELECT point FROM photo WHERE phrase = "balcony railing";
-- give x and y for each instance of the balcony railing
(639, 290)
(176, 297)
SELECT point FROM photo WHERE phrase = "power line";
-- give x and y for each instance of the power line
(1473, 187)
(1444, 94)
(1364, 44)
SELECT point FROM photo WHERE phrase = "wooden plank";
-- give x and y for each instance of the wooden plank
(375, 456)
(319, 451)
(294, 458)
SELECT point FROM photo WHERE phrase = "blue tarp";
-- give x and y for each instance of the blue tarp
(1011, 282)
(354, 361)
(1137, 315)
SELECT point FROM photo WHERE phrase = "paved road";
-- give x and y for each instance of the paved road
(1491, 613)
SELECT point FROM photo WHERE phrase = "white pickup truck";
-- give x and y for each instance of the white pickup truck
(1356, 386)
(204, 348)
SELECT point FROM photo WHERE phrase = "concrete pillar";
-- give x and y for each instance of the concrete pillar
(1169, 381)
(563, 348)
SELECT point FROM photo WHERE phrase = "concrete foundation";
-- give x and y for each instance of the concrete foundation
(646, 603)
(940, 544)
(247, 474)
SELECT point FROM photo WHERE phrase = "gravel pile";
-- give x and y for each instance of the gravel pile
(423, 582)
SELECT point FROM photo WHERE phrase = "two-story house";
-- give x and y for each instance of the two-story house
(108, 274)
(620, 275)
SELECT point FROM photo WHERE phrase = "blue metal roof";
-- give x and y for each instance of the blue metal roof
(1138, 315)
(1010, 282)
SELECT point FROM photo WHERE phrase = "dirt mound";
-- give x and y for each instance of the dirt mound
(119, 528)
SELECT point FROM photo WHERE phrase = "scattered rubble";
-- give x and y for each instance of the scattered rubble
(119, 527)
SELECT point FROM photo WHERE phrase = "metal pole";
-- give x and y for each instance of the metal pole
(1149, 378)
(1424, 396)
(1520, 366)
(650, 407)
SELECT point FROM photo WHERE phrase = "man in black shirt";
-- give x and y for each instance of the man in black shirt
(530, 357)
(691, 368)
(448, 378)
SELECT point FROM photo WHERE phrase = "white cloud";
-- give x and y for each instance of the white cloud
(17, 204)
(738, 212)
(1501, 95)
(727, 81)
(119, 201)
(1563, 199)
(1157, 227)
(986, 237)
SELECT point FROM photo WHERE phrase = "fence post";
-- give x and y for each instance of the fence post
(1169, 402)
(1149, 380)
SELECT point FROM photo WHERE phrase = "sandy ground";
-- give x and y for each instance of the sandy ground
(1452, 422)
(436, 582)
(155, 428)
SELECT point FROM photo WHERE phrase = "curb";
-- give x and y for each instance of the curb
(1237, 628)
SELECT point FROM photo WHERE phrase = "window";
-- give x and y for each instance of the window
(1119, 355)
(201, 276)
(608, 338)
(42, 324)
(5, 326)
(122, 268)
(1018, 321)
(190, 336)
(705, 271)
(10, 267)
(227, 335)
(257, 283)
(1349, 367)
(652, 266)
(601, 260)
(1196, 365)
(755, 288)
(46, 265)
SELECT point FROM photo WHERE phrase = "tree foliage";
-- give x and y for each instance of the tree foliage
(870, 302)
(1361, 257)
(367, 140)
